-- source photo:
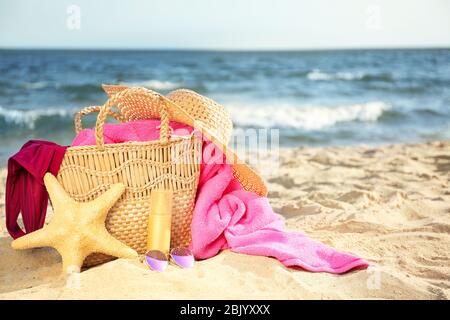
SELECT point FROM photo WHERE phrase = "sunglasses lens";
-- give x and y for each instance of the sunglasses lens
(182, 257)
(156, 260)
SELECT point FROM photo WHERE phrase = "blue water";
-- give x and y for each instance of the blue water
(314, 98)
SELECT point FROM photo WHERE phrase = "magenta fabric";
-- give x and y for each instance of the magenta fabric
(25, 190)
(228, 217)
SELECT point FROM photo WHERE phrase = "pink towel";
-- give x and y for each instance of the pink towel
(139, 130)
(228, 217)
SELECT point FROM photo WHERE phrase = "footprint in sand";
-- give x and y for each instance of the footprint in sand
(284, 180)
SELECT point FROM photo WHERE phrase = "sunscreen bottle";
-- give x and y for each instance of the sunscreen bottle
(159, 220)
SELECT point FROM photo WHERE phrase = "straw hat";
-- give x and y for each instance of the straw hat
(199, 112)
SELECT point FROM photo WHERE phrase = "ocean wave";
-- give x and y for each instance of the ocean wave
(95, 87)
(290, 116)
(82, 88)
(35, 85)
(305, 117)
(318, 75)
(155, 84)
(29, 118)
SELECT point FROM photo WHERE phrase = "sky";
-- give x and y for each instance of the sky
(224, 24)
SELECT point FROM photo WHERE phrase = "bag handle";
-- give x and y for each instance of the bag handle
(87, 110)
(136, 95)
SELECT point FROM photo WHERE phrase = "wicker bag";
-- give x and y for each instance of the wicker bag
(172, 162)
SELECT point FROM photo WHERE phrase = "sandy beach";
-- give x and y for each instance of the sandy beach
(389, 205)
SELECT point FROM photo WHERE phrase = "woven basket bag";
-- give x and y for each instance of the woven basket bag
(170, 162)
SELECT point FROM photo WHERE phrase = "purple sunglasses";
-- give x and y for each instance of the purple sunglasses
(158, 261)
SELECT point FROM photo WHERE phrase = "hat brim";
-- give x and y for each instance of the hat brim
(246, 176)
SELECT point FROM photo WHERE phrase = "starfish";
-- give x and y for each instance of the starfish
(77, 229)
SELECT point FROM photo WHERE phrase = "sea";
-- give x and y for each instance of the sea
(313, 98)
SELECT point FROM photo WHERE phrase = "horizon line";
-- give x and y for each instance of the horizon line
(431, 47)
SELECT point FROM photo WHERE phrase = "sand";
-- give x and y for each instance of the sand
(388, 204)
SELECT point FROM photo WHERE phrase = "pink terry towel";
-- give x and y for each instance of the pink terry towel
(139, 130)
(228, 217)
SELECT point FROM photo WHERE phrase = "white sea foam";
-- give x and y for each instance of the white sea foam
(317, 75)
(28, 118)
(304, 117)
(250, 115)
(155, 84)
